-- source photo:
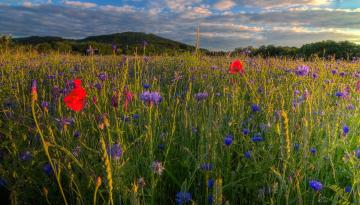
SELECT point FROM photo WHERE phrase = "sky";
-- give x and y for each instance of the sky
(224, 24)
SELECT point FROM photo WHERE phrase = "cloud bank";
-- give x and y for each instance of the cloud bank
(224, 24)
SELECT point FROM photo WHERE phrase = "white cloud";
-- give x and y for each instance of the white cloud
(125, 8)
(271, 4)
(180, 5)
(224, 5)
(231, 26)
(80, 4)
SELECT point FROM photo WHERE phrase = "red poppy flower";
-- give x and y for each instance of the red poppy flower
(358, 87)
(236, 67)
(75, 100)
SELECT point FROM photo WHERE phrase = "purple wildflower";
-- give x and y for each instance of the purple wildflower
(246, 131)
(77, 134)
(345, 130)
(313, 150)
(102, 76)
(115, 152)
(146, 86)
(247, 154)
(206, 166)
(296, 147)
(183, 197)
(98, 86)
(156, 97)
(45, 105)
(255, 108)
(3, 182)
(315, 75)
(25, 156)
(151, 97)
(201, 96)
(210, 183)
(257, 138)
(76, 151)
(302, 70)
(315, 185)
(348, 189)
(136, 116)
(350, 107)
(47, 169)
(228, 140)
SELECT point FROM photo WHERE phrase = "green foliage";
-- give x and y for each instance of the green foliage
(325, 49)
(341, 197)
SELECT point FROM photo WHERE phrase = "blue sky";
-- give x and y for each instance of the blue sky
(224, 24)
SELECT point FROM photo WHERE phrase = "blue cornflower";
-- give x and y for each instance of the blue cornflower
(47, 169)
(77, 134)
(257, 138)
(51, 77)
(156, 97)
(161, 147)
(151, 97)
(247, 154)
(345, 130)
(210, 183)
(115, 152)
(296, 147)
(348, 189)
(183, 197)
(125, 118)
(228, 140)
(76, 151)
(201, 96)
(136, 116)
(194, 130)
(98, 86)
(146, 86)
(339, 94)
(210, 199)
(246, 131)
(25, 156)
(313, 150)
(206, 166)
(45, 105)
(315, 185)
(255, 108)
(357, 153)
(3, 182)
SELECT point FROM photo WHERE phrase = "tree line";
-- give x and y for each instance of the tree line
(324, 49)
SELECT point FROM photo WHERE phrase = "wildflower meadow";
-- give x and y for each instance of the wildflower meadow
(183, 129)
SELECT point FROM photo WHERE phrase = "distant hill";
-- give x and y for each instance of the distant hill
(127, 42)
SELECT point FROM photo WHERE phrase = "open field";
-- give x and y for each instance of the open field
(282, 133)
